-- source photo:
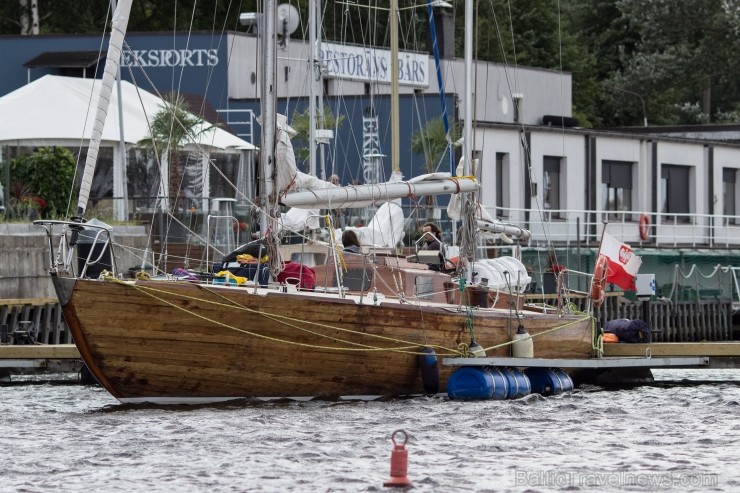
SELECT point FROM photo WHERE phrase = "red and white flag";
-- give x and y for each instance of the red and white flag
(623, 263)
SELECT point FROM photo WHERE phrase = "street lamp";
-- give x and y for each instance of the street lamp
(642, 100)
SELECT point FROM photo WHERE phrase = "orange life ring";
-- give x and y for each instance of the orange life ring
(644, 227)
(598, 283)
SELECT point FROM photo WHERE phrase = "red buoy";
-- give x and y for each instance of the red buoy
(399, 463)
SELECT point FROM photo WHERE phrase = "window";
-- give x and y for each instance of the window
(616, 187)
(502, 197)
(729, 177)
(551, 183)
(675, 192)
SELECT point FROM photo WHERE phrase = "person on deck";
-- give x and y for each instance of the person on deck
(351, 243)
(433, 241)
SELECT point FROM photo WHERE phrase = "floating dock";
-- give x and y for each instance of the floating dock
(592, 364)
(652, 355)
(38, 359)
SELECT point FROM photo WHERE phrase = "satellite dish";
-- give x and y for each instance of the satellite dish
(288, 19)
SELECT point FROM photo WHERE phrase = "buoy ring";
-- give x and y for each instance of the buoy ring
(644, 227)
(598, 283)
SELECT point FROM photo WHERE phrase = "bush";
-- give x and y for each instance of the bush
(44, 181)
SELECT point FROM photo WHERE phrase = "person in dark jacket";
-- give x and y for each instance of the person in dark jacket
(351, 243)
(433, 241)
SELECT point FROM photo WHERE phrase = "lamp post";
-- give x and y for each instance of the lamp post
(642, 100)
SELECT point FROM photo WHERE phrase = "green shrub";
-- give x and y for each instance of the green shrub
(43, 181)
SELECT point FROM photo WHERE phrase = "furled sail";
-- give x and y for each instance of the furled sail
(370, 194)
(112, 60)
(298, 189)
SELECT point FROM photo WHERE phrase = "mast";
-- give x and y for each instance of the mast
(269, 110)
(312, 73)
(467, 245)
(395, 152)
(468, 122)
(112, 61)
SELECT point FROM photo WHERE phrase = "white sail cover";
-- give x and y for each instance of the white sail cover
(288, 175)
(299, 219)
(385, 230)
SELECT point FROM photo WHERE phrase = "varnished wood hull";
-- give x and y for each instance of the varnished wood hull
(168, 341)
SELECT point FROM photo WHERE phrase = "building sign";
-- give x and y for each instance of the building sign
(373, 65)
(372, 159)
(170, 58)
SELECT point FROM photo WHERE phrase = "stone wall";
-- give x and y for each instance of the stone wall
(25, 258)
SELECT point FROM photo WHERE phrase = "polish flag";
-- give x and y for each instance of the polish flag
(623, 263)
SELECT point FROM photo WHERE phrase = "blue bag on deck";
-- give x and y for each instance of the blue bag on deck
(635, 331)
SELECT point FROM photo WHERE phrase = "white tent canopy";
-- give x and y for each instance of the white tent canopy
(56, 110)
(59, 111)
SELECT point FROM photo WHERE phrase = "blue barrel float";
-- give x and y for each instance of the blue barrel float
(518, 382)
(499, 383)
(549, 381)
(477, 382)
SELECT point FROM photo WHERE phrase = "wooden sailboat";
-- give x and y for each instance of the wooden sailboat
(174, 341)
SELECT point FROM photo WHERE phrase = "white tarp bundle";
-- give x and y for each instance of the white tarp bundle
(503, 273)
(385, 230)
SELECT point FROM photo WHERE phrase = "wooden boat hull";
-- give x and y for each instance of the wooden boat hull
(174, 341)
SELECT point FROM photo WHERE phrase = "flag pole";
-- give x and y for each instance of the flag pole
(592, 290)
(601, 240)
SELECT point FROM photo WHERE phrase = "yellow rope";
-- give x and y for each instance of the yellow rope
(406, 348)
(334, 243)
(598, 341)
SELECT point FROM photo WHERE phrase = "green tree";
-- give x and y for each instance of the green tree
(686, 58)
(43, 181)
(301, 123)
(431, 141)
(172, 127)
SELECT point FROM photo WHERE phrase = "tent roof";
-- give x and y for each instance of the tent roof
(66, 59)
(56, 110)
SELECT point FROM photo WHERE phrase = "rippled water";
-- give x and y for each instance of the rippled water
(676, 436)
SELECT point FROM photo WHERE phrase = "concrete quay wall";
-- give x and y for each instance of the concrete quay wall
(25, 258)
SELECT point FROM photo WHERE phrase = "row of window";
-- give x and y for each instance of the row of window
(616, 186)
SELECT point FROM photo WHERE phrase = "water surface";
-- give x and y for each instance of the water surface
(682, 434)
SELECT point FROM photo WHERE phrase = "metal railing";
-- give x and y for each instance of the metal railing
(241, 121)
(567, 226)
